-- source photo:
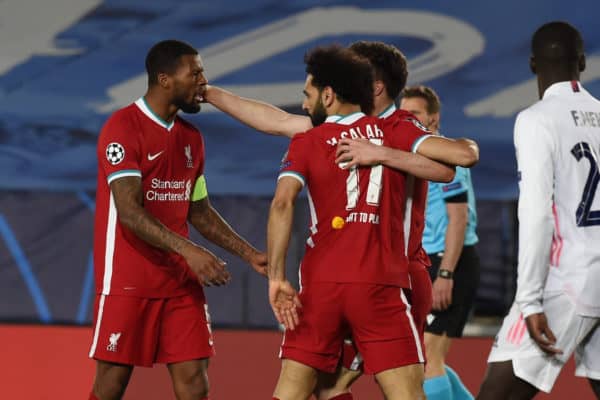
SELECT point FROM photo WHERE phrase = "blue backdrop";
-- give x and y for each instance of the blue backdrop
(64, 71)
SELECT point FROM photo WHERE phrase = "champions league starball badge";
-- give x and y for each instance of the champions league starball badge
(115, 153)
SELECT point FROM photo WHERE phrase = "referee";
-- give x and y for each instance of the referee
(449, 239)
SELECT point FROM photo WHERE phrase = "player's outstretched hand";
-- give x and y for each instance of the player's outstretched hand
(355, 152)
(442, 293)
(206, 91)
(284, 302)
(209, 269)
(542, 335)
(258, 261)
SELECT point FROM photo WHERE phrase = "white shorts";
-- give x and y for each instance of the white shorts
(574, 334)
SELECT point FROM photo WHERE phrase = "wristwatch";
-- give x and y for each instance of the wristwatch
(445, 273)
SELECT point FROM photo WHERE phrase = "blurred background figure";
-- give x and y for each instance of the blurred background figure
(449, 240)
(557, 142)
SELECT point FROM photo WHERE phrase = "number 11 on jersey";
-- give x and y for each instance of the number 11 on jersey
(373, 189)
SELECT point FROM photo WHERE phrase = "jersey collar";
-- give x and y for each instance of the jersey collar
(145, 108)
(345, 119)
(561, 88)
(388, 111)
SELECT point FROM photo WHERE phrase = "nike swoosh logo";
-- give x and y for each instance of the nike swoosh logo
(151, 157)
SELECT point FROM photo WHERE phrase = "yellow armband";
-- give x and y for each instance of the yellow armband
(200, 191)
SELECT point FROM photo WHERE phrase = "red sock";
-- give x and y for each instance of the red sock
(92, 396)
(343, 396)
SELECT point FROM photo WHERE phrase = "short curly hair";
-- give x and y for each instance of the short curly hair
(350, 76)
(164, 57)
(389, 64)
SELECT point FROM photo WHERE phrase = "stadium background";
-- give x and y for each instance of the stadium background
(66, 64)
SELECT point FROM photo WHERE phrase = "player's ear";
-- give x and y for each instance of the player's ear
(378, 88)
(532, 64)
(581, 63)
(327, 96)
(163, 80)
(434, 121)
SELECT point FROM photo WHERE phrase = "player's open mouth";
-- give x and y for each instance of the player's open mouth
(199, 98)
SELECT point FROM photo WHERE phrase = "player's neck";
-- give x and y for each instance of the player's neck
(160, 106)
(343, 109)
(549, 78)
(381, 105)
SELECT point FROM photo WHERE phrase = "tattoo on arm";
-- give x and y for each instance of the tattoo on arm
(214, 228)
(127, 195)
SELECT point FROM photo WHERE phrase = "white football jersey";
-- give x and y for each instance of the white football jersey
(557, 142)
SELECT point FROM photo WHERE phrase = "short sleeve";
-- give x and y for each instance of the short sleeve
(459, 184)
(295, 162)
(406, 133)
(118, 149)
(200, 191)
(201, 153)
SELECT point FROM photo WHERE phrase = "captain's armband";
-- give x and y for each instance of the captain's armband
(200, 191)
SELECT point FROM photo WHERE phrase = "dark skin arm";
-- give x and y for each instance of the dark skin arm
(128, 197)
(542, 335)
(213, 227)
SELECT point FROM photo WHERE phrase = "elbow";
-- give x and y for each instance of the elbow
(449, 174)
(470, 154)
(127, 220)
(470, 158)
(281, 205)
(131, 216)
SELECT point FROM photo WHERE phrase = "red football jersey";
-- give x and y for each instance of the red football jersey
(356, 215)
(405, 123)
(168, 158)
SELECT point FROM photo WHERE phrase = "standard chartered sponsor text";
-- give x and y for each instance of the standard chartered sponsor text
(169, 190)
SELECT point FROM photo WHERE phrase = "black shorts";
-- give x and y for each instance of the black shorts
(466, 279)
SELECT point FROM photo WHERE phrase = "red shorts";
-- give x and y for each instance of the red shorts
(420, 298)
(375, 316)
(141, 331)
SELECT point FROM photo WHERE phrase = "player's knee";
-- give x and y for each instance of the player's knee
(498, 382)
(191, 384)
(402, 383)
(110, 389)
(111, 380)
